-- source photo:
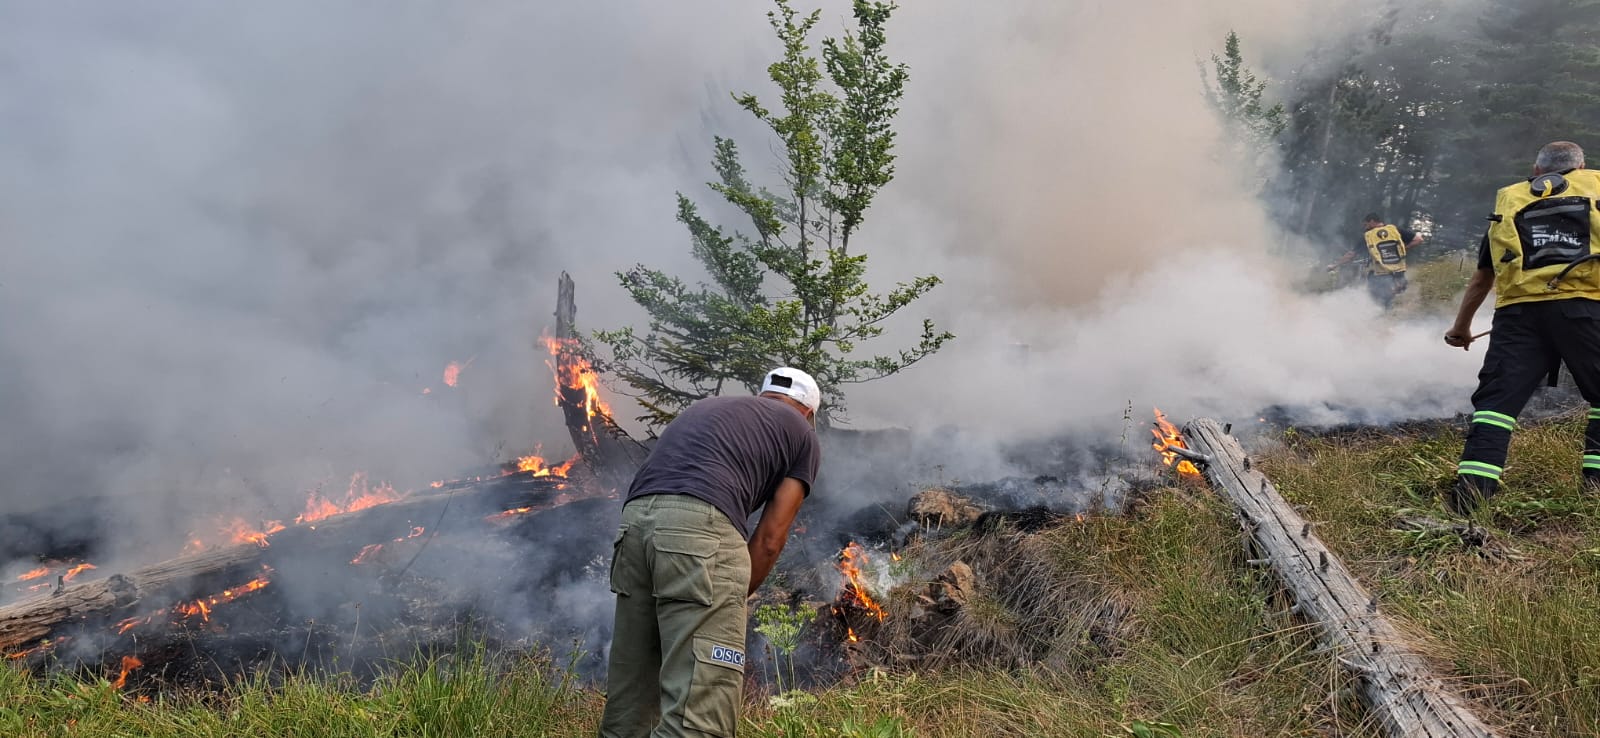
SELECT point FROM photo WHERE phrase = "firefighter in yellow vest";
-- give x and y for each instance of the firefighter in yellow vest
(1385, 246)
(1541, 256)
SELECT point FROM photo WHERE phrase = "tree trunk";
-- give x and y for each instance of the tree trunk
(1395, 682)
(608, 452)
(1321, 164)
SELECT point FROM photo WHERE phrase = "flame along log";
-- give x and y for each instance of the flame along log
(609, 453)
(1395, 682)
(199, 575)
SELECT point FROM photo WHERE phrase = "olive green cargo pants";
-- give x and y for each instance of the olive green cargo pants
(681, 572)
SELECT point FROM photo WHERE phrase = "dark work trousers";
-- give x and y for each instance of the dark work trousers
(1530, 340)
(1385, 287)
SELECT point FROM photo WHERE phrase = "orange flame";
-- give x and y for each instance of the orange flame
(241, 532)
(536, 464)
(557, 501)
(44, 646)
(850, 566)
(850, 633)
(129, 665)
(372, 549)
(574, 372)
(66, 575)
(366, 553)
(1167, 435)
(452, 373)
(359, 496)
(205, 605)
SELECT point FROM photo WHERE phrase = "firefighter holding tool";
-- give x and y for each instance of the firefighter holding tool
(1385, 246)
(1540, 259)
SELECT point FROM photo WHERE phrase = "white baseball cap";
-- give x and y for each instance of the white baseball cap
(794, 383)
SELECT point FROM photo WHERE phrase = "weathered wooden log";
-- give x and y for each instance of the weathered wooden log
(1394, 680)
(608, 452)
(200, 574)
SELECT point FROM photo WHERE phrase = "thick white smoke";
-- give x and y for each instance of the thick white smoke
(1069, 178)
(236, 244)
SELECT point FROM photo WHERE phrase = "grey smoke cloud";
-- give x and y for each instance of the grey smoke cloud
(236, 244)
(1070, 182)
(239, 243)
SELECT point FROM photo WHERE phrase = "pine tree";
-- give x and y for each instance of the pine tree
(1236, 94)
(1539, 72)
(790, 290)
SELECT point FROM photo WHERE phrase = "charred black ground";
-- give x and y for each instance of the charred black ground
(537, 579)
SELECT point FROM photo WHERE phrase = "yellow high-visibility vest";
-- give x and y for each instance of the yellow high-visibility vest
(1544, 238)
(1388, 252)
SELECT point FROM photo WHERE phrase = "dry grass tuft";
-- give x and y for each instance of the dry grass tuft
(1520, 633)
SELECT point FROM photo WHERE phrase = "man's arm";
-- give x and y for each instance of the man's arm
(773, 530)
(1478, 288)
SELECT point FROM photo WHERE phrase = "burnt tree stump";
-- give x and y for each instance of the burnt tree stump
(608, 452)
(1394, 680)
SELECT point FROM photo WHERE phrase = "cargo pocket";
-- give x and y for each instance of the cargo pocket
(683, 566)
(616, 556)
(714, 691)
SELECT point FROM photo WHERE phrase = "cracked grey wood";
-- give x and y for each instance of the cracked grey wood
(1394, 680)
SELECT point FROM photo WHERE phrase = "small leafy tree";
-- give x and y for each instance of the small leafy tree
(790, 290)
(1235, 93)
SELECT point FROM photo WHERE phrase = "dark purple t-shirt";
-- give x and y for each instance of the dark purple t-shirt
(731, 452)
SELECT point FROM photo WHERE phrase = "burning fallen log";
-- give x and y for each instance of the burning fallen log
(197, 577)
(377, 531)
(1408, 699)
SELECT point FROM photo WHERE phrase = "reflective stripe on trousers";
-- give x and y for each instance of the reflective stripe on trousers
(1529, 341)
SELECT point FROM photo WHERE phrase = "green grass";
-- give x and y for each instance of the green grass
(1520, 633)
(1148, 624)
(465, 695)
(1434, 286)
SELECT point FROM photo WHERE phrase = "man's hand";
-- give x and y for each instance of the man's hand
(773, 529)
(1478, 287)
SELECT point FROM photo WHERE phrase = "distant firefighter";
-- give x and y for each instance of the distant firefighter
(1386, 246)
(1539, 257)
